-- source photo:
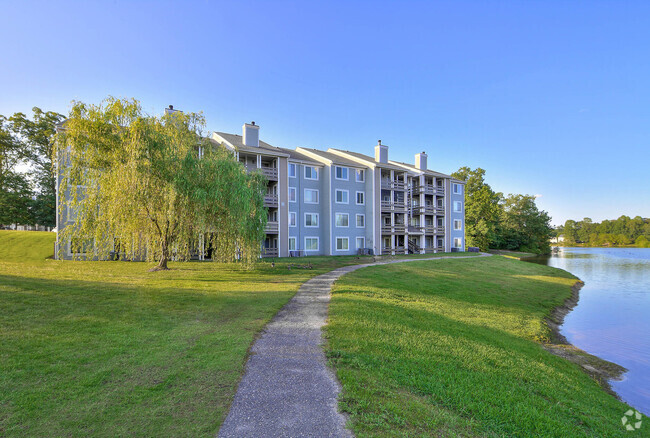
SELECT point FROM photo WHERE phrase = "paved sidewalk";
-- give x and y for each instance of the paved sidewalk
(287, 389)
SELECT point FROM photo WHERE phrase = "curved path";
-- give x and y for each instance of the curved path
(287, 389)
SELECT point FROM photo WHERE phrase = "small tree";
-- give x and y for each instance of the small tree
(151, 187)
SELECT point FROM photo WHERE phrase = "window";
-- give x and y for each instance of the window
(292, 218)
(342, 220)
(292, 243)
(311, 219)
(361, 242)
(458, 242)
(361, 175)
(292, 170)
(292, 194)
(342, 173)
(311, 243)
(458, 207)
(311, 172)
(458, 224)
(458, 189)
(342, 244)
(311, 196)
(361, 198)
(361, 220)
(342, 196)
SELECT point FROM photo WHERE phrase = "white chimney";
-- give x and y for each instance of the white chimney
(421, 160)
(251, 134)
(381, 152)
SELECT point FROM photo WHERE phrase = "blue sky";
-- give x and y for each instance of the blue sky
(551, 98)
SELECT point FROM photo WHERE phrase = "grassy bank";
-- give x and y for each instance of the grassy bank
(109, 349)
(451, 348)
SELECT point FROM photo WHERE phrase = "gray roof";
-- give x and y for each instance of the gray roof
(238, 142)
(425, 171)
(297, 156)
(334, 158)
(372, 160)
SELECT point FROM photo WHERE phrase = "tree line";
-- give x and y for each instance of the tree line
(496, 221)
(623, 231)
(27, 183)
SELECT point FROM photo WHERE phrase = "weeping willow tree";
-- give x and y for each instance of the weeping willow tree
(153, 188)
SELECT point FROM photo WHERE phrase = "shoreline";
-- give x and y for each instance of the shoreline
(599, 369)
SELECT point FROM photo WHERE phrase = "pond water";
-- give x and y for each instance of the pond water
(612, 318)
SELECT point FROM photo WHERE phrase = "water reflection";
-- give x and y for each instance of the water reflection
(612, 317)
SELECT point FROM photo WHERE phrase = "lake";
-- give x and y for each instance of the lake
(612, 318)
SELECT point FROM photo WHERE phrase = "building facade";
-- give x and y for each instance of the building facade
(338, 202)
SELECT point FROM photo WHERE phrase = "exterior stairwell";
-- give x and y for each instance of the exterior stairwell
(413, 247)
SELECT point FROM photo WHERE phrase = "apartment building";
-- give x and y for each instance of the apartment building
(339, 202)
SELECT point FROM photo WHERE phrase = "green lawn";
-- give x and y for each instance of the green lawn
(26, 245)
(449, 348)
(109, 349)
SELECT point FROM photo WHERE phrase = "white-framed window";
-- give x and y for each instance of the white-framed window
(361, 221)
(292, 170)
(311, 243)
(342, 220)
(311, 220)
(361, 175)
(341, 173)
(311, 172)
(458, 224)
(361, 198)
(342, 196)
(311, 196)
(361, 242)
(458, 189)
(293, 218)
(342, 244)
(458, 242)
(81, 247)
(292, 194)
(458, 206)
(292, 243)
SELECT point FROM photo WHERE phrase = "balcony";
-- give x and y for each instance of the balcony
(427, 189)
(392, 185)
(271, 200)
(440, 190)
(271, 173)
(271, 227)
(423, 209)
(416, 229)
(269, 252)
(398, 206)
(440, 230)
(400, 250)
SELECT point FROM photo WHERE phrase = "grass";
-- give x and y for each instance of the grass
(512, 254)
(452, 348)
(109, 349)
(26, 245)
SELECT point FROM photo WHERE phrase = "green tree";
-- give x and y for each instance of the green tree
(481, 208)
(15, 191)
(523, 226)
(36, 136)
(153, 186)
(570, 232)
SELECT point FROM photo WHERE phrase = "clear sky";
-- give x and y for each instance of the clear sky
(550, 97)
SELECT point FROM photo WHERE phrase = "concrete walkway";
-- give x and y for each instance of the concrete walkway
(287, 389)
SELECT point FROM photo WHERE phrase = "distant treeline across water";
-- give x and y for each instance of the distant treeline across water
(623, 231)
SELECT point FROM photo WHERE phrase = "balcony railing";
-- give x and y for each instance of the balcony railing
(393, 229)
(416, 229)
(269, 252)
(392, 185)
(271, 227)
(440, 190)
(394, 206)
(440, 230)
(400, 250)
(271, 200)
(271, 173)
(423, 209)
